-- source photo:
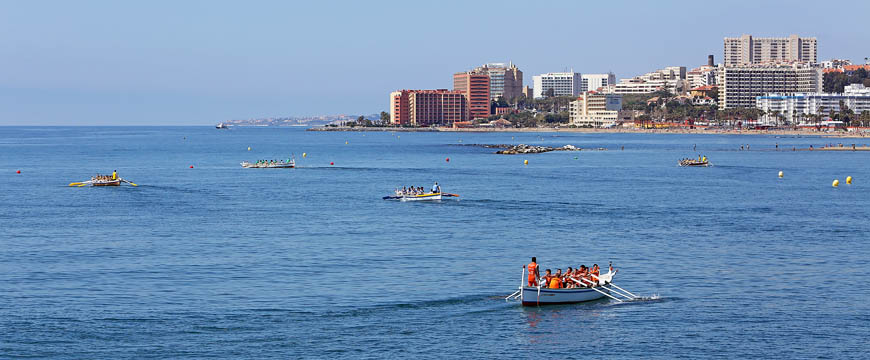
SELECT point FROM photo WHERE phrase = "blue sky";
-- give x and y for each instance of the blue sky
(201, 62)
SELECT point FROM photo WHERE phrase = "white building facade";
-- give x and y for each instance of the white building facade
(797, 107)
(745, 50)
(740, 85)
(672, 79)
(593, 82)
(595, 110)
(563, 84)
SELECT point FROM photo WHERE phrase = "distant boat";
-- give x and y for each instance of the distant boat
(281, 164)
(222, 126)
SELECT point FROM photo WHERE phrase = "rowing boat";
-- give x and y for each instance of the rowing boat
(533, 296)
(116, 182)
(267, 165)
(421, 197)
(693, 163)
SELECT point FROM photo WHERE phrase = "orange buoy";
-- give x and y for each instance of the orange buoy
(331, 163)
(191, 166)
(447, 159)
(18, 172)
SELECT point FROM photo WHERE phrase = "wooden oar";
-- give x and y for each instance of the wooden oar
(593, 288)
(75, 183)
(129, 182)
(450, 195)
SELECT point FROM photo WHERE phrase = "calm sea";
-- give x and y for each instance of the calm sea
(217, 261)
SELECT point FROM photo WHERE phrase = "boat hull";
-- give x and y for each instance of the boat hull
(248, 165)
(424, 197)
(531, 297)
(107, 183)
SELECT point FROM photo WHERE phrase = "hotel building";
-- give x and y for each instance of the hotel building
(740, 85)
(563, 84)
(595, 109)
(593, 82)
(476, 89)
(745, 50)
(428, 107)
(856, 97)
(504, 80)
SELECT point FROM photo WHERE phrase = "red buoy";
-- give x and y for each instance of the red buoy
(18, 172)
(447, 159)
(331, 163)
(191, 166)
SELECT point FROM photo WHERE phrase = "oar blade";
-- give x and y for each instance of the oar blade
(74, 183)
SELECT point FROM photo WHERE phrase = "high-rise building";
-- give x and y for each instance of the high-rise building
(740, 85)
(593, 82)
(505, 80)
(746, 50)
(427, 107)
(563, 84)
(595, 109)
(794, 108)
(476, 90)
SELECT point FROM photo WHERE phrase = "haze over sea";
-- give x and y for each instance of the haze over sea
(220, 261)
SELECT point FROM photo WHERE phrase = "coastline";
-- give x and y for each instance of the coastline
(865, 133)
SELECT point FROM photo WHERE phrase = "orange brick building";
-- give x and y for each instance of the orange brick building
(427, 107)
(476, 89)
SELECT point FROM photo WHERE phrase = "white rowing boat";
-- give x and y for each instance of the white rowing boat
(270, 165)
(604, 287)
(421, 197)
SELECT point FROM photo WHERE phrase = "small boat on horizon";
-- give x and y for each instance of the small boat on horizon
(271, 164)
(222, 126)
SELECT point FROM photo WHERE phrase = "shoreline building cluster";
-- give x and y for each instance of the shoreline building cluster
(470, 98)
(797, 106)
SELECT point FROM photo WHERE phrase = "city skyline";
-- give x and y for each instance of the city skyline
(102, 63)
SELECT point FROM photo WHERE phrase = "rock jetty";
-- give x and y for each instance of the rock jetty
(533, 149)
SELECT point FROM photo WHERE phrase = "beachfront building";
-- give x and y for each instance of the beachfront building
(528, 92)
(799, 107)
(672, 79)
(745, 50)
(563, 84)
(701, 76)
(740, 85)
(594, 82)
(593, 109)
(428, 107)
(475, 86)
(505, 80)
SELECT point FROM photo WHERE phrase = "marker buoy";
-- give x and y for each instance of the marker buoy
(525, 162)
(780, 174)
(249, 148)
(835, 183)
(191, 166)
(304, 154)
(447, 159)
(18, 172)
(331, 163)
(849, 180)
(345, 142)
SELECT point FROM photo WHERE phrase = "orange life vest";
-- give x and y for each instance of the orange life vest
(555, 283)
(532, 267)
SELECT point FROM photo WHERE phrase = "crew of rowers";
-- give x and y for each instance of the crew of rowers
(688, 160)
(112, 177)
(417, 190)
(270, 162)
(581, 277)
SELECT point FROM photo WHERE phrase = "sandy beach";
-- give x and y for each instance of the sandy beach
(858, 133)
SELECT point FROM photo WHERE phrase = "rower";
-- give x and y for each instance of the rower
(534, 273)
(595, 272)
(436, 188)
(114, 174)
(705, 158)
(567, 279)
(555, 281)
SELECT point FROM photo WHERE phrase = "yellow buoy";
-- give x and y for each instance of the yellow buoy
(849, 180)
(780, 174)
(249, 148)
(304, 154)
(835, 183)
(345, 142)
(525, 162)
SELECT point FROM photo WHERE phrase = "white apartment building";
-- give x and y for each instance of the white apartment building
(563, 84)
(672, 79)
(798, 106)
(740, 85)
(595, 109)
(745, 50)
(593, 82)
(701, 76)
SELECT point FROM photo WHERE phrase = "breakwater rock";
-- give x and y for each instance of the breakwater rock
(509, 149)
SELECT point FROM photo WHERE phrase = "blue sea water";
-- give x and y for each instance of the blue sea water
(217, 261)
